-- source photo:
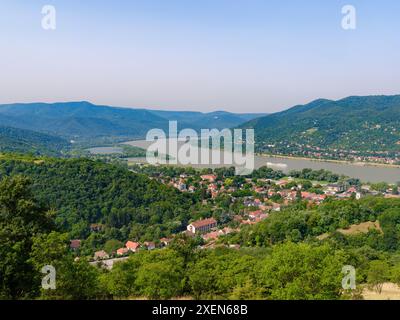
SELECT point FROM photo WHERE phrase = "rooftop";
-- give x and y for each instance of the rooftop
(202, 223)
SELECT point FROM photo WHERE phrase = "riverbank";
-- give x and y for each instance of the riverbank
(367, 172)
(359, 163)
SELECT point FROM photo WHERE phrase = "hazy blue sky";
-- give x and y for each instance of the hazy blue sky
(236, 55)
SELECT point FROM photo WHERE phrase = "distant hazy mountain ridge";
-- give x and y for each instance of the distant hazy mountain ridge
(83, 120)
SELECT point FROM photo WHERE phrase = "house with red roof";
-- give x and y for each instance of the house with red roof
(352, 190)
(261, 217)
(247, 222)
(75, 244)
(212, 187)
(313, 196)
(132, 246)
(259, 189)
(214, 194)
(209, 177)
(165, 241)
(211, 236)
(276, 206)
(255, 214)
(122, 251)
(100, 255)
(226, 230)
(282, 183)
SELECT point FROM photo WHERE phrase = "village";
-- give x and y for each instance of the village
(288, 148)
(257, 198)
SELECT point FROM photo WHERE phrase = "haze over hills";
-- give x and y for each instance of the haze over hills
(78, 119)
(199, 120)
(361, 123)
(83, 120)
(355, 124)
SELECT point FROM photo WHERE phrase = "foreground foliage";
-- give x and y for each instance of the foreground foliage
(84, 192)
(280, 258)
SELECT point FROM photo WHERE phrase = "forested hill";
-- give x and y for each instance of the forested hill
(79, 119)
(85, 192)
(26, 141)
(369, 123)
(84, 120)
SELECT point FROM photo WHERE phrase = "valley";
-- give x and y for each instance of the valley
(241, 154)
(105, 217)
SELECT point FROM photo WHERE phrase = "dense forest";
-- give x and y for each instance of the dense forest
(83, 192)
(26, 141)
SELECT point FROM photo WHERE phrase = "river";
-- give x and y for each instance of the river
(364, 172)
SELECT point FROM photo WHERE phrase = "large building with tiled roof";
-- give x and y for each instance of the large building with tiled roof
(202, 226)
